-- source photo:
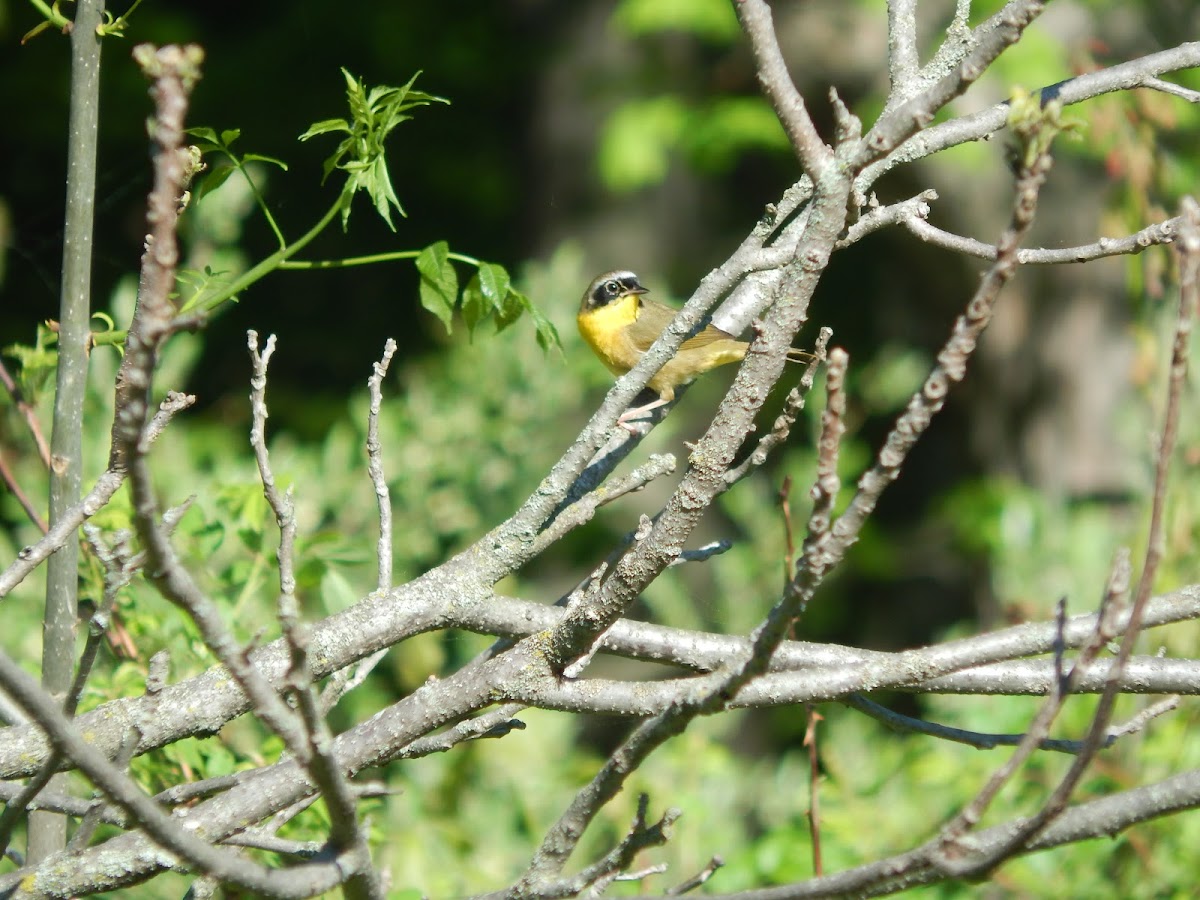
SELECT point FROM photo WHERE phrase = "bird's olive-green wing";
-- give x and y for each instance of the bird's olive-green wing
(653, 317)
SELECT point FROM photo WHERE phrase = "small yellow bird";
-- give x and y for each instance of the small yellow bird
(620, 324)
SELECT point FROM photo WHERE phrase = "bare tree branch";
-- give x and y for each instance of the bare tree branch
(541, 652)
(375, 467)
(988, 41)
(977, 126)
(1150, 236)
(815, 157)
(902, 46)
(1105, 817)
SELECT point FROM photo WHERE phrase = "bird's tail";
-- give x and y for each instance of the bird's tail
(800, 356)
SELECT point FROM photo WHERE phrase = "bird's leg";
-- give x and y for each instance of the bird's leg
(638, 411)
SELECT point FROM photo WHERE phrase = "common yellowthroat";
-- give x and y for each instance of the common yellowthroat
(620, 324)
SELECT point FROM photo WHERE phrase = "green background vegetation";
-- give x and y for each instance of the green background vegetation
(579, 137)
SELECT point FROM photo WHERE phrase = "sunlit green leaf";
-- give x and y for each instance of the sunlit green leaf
(493, 281)
(270, 160)
(373, 115)
(324, 127)
(439, 281)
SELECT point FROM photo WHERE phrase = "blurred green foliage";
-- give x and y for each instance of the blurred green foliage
(470, 426)
(710, 20)
(711, 130)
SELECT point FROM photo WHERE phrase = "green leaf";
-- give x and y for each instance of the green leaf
(208, 139)
(324, 127)
(38, 362)
(493, 282)
(258, 157)
(439, 281)
(204, 134)
(379, 188)
(373, 115)
(486, 293)
(431, 261)
(436, 302)
(355, 96)
(474, 304)
(213, 180)
(511, 307)
(345, 201)
(512, 304)
(32, 358)
(547, 334)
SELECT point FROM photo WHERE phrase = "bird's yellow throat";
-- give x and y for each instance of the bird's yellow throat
(604, 324)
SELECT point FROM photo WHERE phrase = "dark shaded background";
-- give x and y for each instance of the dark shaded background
(461, 171)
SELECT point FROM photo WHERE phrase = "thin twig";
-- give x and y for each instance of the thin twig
(1176, 90)
(583, 509)
(698, 879)
(638, 837)
(928, 401)
(165, 830)
(260, 839)
(1189, 281)
(814, 785)
(1105, 817)
(827, 483)
(95, 816)
(991, 38)
(777, 84)
(28, 413)
(792, 407)
(174, 71)
(29, 558)
(495, 723)
(281, 503)
(383, 552)
(639, 875)
(14, 487)
(879, 217)
(789, 534)
(347, 679)
(981, 125)
(120, 565)
(346, 832)
(1151, 236)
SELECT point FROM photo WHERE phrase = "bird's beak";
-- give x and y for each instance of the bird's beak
(639, 290)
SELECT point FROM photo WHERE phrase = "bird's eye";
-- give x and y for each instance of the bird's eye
(612, 288)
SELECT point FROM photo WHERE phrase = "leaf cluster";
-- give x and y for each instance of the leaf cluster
(489, 294)
(374, 113)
